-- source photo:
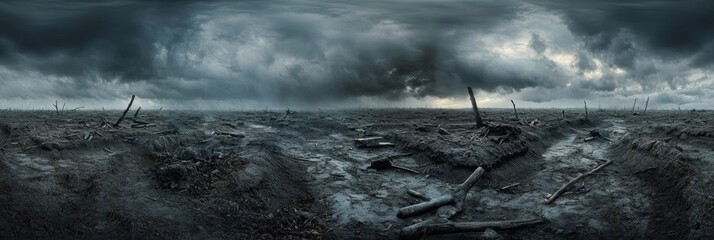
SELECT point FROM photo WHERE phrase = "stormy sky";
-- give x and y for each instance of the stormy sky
(332, 54)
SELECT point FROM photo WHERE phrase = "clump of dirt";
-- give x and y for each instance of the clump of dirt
(194, 169)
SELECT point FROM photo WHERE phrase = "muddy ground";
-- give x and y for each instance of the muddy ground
(265, 175)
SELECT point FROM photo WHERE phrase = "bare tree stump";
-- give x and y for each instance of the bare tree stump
(56, 108)
(514, 109)
(479, 121)
(586, 109)
(646, 103)
(125, 111)
(136, 114)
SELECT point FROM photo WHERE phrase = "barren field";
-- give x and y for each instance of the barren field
(272, 175)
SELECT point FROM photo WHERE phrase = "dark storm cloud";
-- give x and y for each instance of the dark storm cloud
(671, 29)
(319, 51)
(71, 38)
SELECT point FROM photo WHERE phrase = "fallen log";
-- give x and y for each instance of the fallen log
(425, 207)
(457, 198)
(421, 229)
(125, 111)
(572, 182)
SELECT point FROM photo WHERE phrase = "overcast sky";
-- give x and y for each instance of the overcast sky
(381, 53)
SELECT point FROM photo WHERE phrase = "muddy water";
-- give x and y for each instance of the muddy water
(608, 202)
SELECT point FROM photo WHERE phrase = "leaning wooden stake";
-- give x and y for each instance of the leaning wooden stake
(136, 114)
(572, 182)
(586, 109)
(646, 103)
(514, 109)
(418, 231)
(125, 111)
(633, 105)
(479, 121)
(457, 198)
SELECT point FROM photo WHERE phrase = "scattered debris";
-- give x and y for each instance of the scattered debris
(372, 142)
(384, 163)
(456, 198)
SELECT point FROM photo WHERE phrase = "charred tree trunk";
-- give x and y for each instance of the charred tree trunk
(633, 105)
(479, 121)
(514, 109)
(586, 109)
(418, 230)
(646, 103)
(125, 111)
(136, 114)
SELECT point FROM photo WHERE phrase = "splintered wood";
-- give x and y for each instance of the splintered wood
(372, 142)
(447, 206)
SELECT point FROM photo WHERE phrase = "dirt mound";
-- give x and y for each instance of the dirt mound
(682, 190)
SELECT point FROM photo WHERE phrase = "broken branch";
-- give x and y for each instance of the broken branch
(419, 230)
(457, 198)
(572, 182)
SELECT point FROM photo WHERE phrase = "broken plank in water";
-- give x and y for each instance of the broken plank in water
(372, 142)
(232, 134)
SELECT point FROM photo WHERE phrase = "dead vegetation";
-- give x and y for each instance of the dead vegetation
(369, 174)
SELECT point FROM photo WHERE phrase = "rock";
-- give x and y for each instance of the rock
(490, 234)
(176, 176)
(595, 133)
(422, 129)
(443, 131)
(248, 178)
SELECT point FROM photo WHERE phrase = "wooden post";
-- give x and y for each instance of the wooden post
(633, 105)
(586, 109)
(136, 114)
(56, 108)
(125, 111)
(646, 103)
(479, 121)
(514, 109)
